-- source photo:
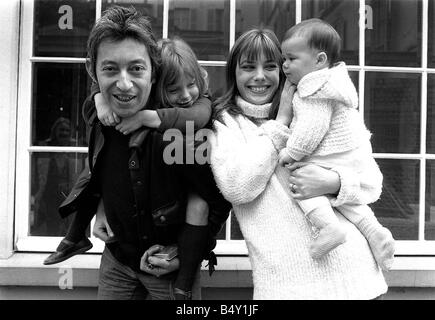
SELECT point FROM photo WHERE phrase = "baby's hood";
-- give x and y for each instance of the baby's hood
(332, 83)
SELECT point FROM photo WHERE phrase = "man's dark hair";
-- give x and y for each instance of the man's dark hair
(119, 23)
(320, 35)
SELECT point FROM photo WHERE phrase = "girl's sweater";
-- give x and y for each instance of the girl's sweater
(244, 158)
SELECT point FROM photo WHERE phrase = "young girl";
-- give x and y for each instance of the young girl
(244, 159)
(182, 89)
(328, 130)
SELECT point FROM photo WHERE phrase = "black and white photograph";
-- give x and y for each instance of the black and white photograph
(225, 153)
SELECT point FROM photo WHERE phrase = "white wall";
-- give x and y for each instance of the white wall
(9, 26)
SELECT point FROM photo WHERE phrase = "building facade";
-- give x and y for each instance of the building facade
(388, 46)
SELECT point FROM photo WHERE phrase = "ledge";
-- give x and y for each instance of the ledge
(26, 269)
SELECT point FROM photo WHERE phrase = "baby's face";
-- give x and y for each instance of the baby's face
(299, 59)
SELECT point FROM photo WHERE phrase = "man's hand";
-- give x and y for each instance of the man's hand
(104, 112)
(157, 266)
(101, 228)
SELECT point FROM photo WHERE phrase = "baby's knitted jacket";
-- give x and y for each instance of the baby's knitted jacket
(326, 119)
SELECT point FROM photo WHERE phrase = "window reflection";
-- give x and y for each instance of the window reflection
(392, 111)
(429, 219)
(151, 8)
(60, 90)
(53, 175)
(216, 80)
(278, 15)
(203, 25)
(430, 132)
(398, 206)
(395, 39)
(343, 15)
(62, 27)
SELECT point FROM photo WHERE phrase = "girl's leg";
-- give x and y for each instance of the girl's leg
(75, 241)
(192, 243)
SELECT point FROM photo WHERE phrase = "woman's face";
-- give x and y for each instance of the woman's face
(257, 81)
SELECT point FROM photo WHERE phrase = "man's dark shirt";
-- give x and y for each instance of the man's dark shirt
(137, 187)
(113, 175)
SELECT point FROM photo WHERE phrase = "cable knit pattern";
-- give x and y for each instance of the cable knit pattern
(244, 162)
(326, 119)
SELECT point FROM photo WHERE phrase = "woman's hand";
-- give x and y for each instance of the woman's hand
(157, 266)
(308, 180)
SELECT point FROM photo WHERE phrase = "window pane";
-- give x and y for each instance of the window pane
(431, 35)
(394, 38)
(62, 27)
(236, 233)
(203, 25)
(430, 131)
(278, 15)
(58, 93)
(53, 175)
(429, 219)
(343, 15)
(152, 8)
(354, 76)
(398, 206)
(392, 111)
(216, 80)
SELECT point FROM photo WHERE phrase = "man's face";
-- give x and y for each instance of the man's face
(124, 74)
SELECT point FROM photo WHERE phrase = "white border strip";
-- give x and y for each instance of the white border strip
(24, 125)
(165, 19)
(57, 60)
(58, 149)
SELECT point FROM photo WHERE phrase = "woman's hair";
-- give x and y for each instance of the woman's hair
(320, 35)
(177, 61)
(252, 44)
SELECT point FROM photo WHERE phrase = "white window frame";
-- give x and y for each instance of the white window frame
(227, 246)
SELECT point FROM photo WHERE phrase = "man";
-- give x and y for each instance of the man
(144, 200)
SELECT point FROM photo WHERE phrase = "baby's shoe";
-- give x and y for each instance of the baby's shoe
(328, 238)
(381, 242)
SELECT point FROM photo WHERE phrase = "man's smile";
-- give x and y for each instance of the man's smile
(124, 97)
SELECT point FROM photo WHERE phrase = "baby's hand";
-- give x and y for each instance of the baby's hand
(104, 112)
(287, 93)
(130, 124)
(284, 158)
(285, 111)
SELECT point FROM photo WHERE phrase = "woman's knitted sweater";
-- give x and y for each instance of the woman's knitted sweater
(244, 158)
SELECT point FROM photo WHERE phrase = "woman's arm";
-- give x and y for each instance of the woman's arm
(346, 186)
(244, 156)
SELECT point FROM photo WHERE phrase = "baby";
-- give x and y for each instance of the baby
(328, 130)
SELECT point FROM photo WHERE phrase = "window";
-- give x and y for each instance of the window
(390, 55)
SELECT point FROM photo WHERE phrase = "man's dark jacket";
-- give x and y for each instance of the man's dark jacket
(163, 192)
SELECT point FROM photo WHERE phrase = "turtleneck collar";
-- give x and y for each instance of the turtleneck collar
(257, 111)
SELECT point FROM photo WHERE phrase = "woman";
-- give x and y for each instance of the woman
(244, 157)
